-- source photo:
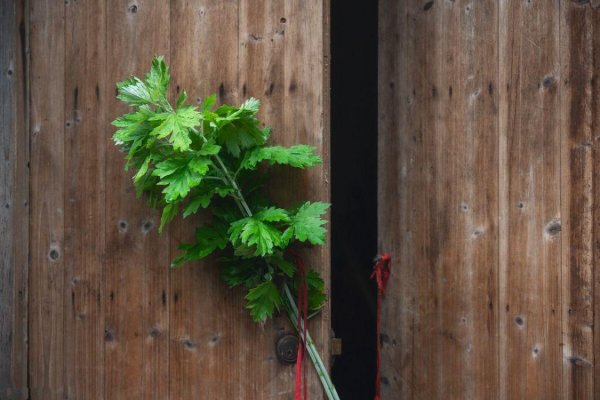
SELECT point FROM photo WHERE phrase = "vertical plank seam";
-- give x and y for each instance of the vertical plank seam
(560, 207)
(413, 317)
(102, 284)
(27, 131)
(169, 255)
(64, 274)
(499, 200)
(105, 255)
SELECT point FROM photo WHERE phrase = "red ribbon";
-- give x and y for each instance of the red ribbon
(381, 274)
(301, 386)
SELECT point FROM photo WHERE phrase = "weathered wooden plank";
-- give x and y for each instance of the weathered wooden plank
(441, 118)
(84, 218)
(136, 363)
(593, 27)
(14, 200)
(46, 353)
(579, 171)
(397, 215)
(306, 120)
(206, 356)
(530, 328)
(262, 37)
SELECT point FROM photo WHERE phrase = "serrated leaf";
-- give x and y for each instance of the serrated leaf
(203, 198)
(157, 80)
(263, 300)
(134, 130)
(272, 214)
(179, 176)
(299, 156)
(237, 129)
(245, 272)
(169, 212)
(288, 268)
(134, 92)
(199, 200)
(143, 169)
(199, 165)
(209, 149)
(307, 225)
(177, 126)
(252, 105)
(256, 234)
(209, 238)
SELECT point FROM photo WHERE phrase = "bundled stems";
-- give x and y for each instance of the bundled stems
(310, 346)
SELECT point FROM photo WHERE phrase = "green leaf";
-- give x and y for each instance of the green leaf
(299, 156)
(252, 105)
(263, 300)
(209, 238)
(143, 169)
(199, 200)
(288, 268)
(134, 92)
(181, 99)
(158, 79)
(272, 214)
(180, 175)
(203, 198)
(307, 224)
(169, 212)
(247, 272)
(315, 290)
(256, 234)
(177, 126)
(237, 128)
(209, 102)
(209, 149)
(134, 130)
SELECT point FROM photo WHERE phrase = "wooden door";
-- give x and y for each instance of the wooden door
(489, 197)
(105, 317)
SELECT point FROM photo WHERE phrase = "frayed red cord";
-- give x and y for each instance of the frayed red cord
(381, 274)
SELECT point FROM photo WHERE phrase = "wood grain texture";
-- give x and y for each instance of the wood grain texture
(306, 120)
(530, 333)
(85, 187)
(136, 283)
(107, 318)
(47, 133)
(14, 200)
(579, 52)
(534, 184)
(438, 86)
(204, 313)
(397, 213)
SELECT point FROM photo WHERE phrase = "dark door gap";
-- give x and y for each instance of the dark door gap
(354, 193)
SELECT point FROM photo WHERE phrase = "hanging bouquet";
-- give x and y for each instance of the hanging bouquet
(210, 159)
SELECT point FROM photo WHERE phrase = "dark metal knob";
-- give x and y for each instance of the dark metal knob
(287, 349)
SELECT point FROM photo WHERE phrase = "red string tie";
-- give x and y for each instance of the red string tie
(381, 274)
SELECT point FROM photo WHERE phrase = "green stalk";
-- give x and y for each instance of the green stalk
(293, 309)
(312, 349)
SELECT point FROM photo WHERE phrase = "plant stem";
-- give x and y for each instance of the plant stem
(293, 309)
(310, 346)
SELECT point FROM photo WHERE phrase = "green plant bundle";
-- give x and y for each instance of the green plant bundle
(215, 160)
